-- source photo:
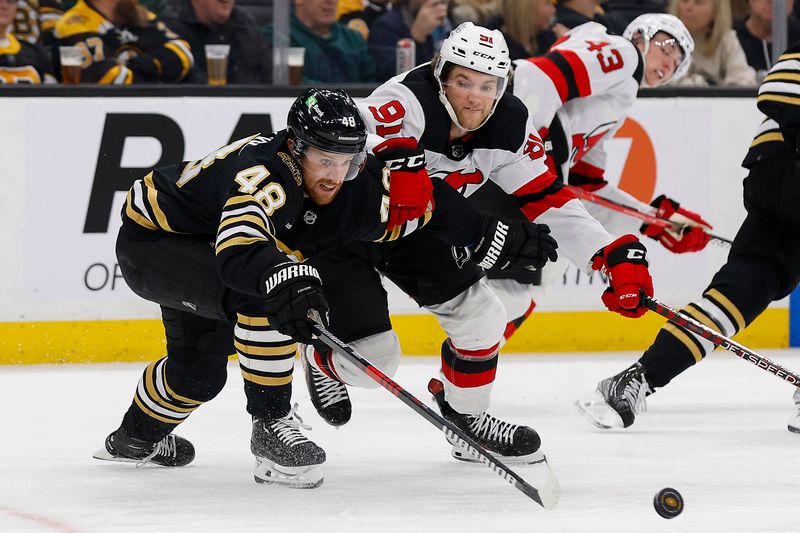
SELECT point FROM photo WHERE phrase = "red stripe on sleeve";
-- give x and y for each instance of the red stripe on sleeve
(554, 73)
(533, 210)
(578, 71)
(537, 184)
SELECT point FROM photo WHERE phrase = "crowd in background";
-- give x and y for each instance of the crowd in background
(347, 41)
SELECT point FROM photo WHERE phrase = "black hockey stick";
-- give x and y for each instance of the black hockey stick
(546, 500)
(635, 213)
(685, 321)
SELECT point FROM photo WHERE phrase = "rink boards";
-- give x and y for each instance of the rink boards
(67, 163)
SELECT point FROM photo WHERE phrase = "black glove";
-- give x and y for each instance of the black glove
(293, 290)
(508, 244)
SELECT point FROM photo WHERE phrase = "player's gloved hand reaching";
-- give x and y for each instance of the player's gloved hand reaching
(624, 261)
(293, 289)
(410, 187)
(506, 244)
(691, 238)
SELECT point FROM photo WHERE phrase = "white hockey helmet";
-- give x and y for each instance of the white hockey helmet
(649, 24)
(476, 48)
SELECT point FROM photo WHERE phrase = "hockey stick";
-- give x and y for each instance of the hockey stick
(685, 321)
(546, 499)
(635, 213)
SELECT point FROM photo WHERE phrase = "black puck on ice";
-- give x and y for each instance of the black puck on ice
(668, 503)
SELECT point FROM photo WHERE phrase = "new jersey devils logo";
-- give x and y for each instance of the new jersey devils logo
(460, 180)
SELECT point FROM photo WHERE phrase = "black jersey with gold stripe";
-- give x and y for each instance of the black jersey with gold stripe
(36, 20)
(247, 197)
(123, 54)
(779, 100)
(23, 62)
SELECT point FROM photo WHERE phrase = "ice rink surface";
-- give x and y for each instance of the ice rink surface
(717, 434)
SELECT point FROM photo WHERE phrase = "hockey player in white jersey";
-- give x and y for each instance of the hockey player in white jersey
(474, 132)
(579, 94)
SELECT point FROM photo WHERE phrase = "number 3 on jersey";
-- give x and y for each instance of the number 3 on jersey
(610, 59)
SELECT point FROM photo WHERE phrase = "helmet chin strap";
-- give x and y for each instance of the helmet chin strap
(452, 112)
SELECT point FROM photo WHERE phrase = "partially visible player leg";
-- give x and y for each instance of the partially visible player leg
(794, 420)
(474, 322)
(754, 276)
(157, 268)
(359, 316)
(284, 456)
(170, 389)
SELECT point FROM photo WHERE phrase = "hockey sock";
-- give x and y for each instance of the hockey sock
(676, 349)
(266, 360)
(157, 408)
(468, 375)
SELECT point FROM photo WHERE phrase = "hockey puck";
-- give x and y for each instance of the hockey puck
(668, 503)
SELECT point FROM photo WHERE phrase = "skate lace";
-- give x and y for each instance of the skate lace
(166, 447)
(329, 390)
(287, 429)
(490, 428)
(635, 392)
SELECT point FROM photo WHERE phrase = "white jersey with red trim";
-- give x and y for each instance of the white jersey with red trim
(579, 94)
(506, 150)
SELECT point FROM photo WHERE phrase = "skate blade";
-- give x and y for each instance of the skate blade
(302, 477)
(538, 474)
(532, 458)
(103, 455)
(793, 429)
(598, 412)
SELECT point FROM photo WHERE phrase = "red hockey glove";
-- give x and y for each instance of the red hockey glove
(624, 261)
(691, 238)
(410, 187)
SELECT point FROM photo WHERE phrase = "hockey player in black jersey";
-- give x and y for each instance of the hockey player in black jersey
(763, 264)
(474, 132)
(220, 244)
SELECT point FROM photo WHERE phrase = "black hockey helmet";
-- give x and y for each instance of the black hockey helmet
(328, 120)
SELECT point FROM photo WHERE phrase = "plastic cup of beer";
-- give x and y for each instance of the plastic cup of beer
(296, 60)
(71, 63)
(217, 63)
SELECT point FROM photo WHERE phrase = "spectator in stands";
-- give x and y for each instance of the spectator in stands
(425, 21)
(526, 25)
(361, 21)
(20, 61)
(202, 22)
(123, 43)
(755, 34)
(479, 12)
(36, 20)
(573, 13)
(718, 57)
(334, 53)
(620, 13)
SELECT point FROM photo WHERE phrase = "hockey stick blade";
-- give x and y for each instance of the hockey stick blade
(690, 324)
(546, 497)
(635, 213)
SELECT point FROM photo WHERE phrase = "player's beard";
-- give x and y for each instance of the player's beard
(130, 13)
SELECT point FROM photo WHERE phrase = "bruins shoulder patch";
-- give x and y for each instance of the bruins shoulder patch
(289, 162)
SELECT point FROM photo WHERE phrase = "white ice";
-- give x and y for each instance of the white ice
(717, 434)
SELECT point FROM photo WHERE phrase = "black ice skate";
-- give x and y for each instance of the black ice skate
(328, 395)
(169, 451)
(509, 442)
(618, 399)
(284, 456)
